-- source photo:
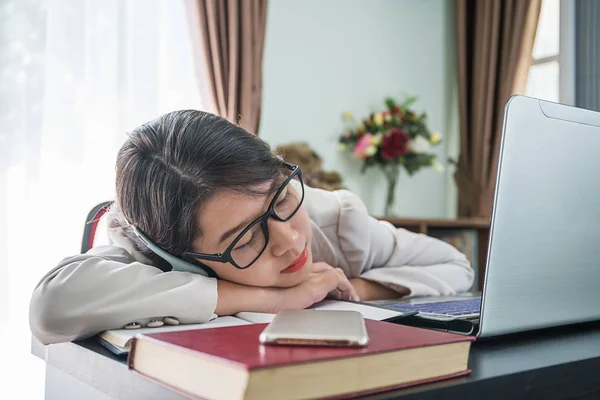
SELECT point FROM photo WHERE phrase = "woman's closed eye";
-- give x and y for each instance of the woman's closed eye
(254, 238)
(247, 240)
(242, 246)
(288, 199)
(283, 197)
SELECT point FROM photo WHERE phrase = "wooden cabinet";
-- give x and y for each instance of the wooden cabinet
(475, 231)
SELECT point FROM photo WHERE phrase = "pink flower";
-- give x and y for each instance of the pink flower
(361, 146)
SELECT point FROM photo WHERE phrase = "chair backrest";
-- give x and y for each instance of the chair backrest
(91, 225)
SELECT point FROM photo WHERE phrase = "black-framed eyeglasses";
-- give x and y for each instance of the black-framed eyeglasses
(250, 244)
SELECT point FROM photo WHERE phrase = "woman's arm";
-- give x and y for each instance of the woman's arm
(106, 289)
(399, 260)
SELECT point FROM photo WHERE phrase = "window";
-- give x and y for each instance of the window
(543, 81)
(75, 76)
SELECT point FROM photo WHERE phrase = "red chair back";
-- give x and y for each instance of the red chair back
(91, 224)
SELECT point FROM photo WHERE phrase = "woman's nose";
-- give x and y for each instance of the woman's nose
(282, 237)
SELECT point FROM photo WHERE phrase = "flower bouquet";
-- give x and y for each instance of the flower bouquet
(392, 139)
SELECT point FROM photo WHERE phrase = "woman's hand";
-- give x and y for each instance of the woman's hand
(324, 282)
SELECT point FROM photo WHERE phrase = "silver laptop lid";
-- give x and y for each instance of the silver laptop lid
(544, 256)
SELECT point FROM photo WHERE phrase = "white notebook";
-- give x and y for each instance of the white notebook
(369, 312)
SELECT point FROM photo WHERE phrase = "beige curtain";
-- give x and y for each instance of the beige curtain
(228, 38)
(494, 41)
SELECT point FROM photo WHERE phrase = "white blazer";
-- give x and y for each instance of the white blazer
(111, 286)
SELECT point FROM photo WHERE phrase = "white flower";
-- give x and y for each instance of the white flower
(370, 151)
(436, 138)
(419, 145)
(438, 166)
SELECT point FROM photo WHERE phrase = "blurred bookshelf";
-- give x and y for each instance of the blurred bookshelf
(469, 235)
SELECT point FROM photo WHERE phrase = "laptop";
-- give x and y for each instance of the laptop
(543, 260)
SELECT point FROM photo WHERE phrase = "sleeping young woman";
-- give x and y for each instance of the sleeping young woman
(208, 222)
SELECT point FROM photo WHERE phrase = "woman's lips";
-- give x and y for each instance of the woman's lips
(298, 264)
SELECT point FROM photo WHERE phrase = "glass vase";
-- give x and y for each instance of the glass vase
(392, 173)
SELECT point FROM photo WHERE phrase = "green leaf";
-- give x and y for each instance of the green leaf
(408, 102)
(390, 103)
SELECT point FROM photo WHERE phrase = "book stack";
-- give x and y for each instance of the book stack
(223, 359)
(230, 363)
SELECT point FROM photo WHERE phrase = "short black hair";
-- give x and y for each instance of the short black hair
(170, 166)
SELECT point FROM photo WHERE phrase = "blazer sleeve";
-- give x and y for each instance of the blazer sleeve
(106, 289)
(396, 258)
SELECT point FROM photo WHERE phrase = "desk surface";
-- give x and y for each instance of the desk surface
(557, 363)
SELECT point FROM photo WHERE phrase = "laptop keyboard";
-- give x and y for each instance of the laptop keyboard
(452, 307)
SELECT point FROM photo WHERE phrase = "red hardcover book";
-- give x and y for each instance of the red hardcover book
(230, 363)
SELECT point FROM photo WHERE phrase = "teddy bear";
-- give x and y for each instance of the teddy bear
(301, 154)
